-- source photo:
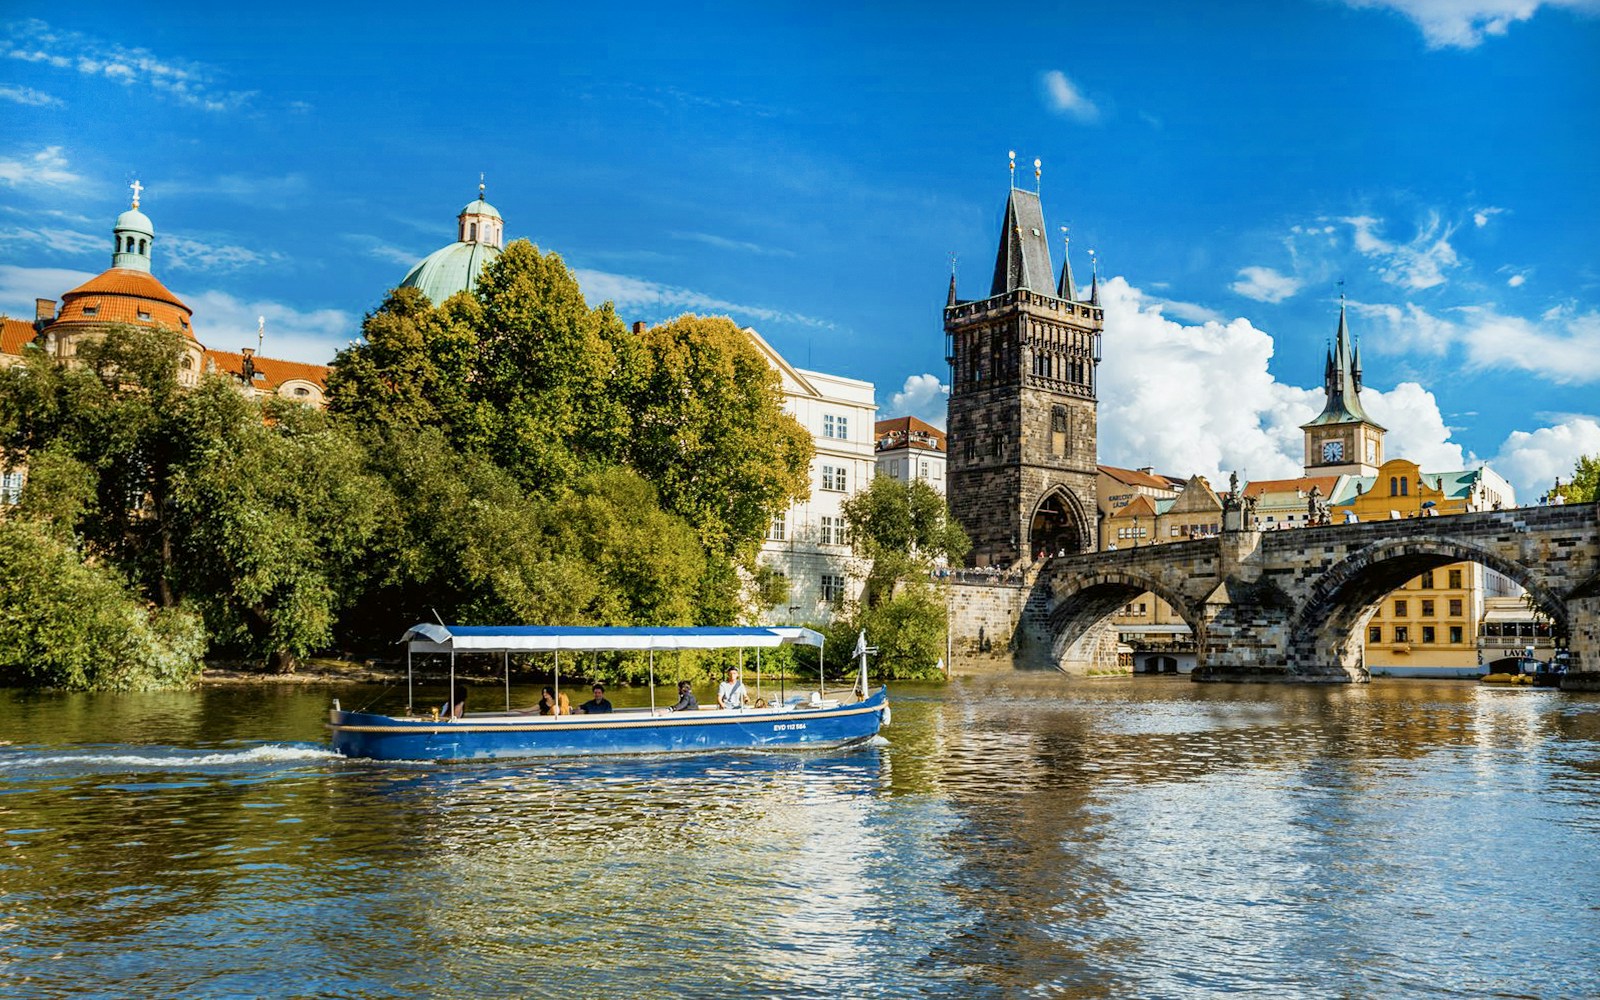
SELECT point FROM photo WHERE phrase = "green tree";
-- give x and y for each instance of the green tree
(65, 623)
(1584, 484)
(272, 512)
(711, 434)
(905, 530)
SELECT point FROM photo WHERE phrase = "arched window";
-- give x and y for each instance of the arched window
(1403, 490)
(143, 246)
(1394, 486)
(472, 232)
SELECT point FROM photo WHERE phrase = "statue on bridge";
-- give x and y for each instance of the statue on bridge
(1317, 511)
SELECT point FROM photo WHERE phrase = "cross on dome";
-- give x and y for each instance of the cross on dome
(137, 187)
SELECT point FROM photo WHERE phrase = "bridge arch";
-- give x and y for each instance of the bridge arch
(1059, 524)
(1324, 632)
(1082, 635)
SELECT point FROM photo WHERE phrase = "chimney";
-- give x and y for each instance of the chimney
(44, 312)
(1148, 470)
(638, 326)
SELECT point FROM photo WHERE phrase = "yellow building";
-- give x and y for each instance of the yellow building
(1430, 626)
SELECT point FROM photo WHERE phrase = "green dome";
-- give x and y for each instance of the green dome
(450, 269)
(480, 207)
(135, 221)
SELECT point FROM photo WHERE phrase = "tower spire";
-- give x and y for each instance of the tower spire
(1094, 279)
(1066, 288)
(951, 299)
(1013, 156)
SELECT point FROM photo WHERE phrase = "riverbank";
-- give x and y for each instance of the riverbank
(317, 670)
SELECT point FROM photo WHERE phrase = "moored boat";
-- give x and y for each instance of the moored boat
(816, 721)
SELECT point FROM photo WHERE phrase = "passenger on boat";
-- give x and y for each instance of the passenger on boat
(598, 704)
(731, 693)
(550, 705)
(686, 698)
(455, 706)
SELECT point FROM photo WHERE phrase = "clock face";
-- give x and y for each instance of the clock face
(1332, 451)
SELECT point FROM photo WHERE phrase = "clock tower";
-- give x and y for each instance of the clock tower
(1343, 440)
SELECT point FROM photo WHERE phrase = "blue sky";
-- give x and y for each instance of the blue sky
(809, 169)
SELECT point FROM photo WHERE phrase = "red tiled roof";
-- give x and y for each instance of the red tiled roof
(15, 335)
(123, 295)
(908, 432)
(1304, 483)
(126, 281)
(1134, 477)
(276, 371)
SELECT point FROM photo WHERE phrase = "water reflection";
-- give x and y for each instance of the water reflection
(1013, 837)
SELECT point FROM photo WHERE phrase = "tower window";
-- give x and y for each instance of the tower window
(143, 246)
(144, 315)
(472, 232)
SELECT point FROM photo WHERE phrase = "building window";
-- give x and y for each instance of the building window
(301, 390)
(1455, 607)
(1399, 609)
(1173, 530)
(833, 531)
(778, 528)
(924, 467)
(1427, 634)
(91, 310)
(1455, 579)
(1455, 634)
(1375, 634)
(11, 489)
(834, 478)
(1427, 580)
(144, 314)
(1402, 634)
(969, 449)
(1427, 609)
(835, 427)
(832, 588)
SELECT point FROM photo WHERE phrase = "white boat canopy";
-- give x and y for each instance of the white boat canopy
(428, 638)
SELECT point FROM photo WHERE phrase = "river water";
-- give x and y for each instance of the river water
(1015, 837)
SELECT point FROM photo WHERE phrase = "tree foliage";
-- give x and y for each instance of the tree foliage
(67, 623)
(1584, 484)
(905, 530)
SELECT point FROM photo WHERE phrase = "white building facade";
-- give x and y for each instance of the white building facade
(910, 449)
(809, 543)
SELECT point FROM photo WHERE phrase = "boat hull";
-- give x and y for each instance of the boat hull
(383, 737)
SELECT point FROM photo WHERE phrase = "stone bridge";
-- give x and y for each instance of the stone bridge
(1290, 605)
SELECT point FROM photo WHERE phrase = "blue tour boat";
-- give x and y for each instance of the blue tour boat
(814, 721)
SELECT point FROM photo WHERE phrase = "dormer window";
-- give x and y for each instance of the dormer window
(144, 314)
(301, 390)
(91, 310)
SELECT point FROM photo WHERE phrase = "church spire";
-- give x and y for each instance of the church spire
(1342, 382)
(1094, 279)
(1066, 288)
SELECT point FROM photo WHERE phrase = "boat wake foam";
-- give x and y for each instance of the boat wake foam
(168, 758)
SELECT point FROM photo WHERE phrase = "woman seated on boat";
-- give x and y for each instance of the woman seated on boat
(686, 699)
(549, 704)
(455, 706)
(731, 693)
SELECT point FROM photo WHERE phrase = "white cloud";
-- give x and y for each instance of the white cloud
(1418, 264)
(34, 41)
(29, 97)
(19, 286)
(1416, 428)
(1564, 346)
(1517, 280)
(741, 246)
(1160, 402)
(46, 167)
(1533, 460)
(185, 253)
(68, 241)
(638, 293)
(1464, 24)
(1265, 284)
(1481, 216)
(226, 323)
(923, 396)
(1407, 328)
(1064, 98)
(1159, 398)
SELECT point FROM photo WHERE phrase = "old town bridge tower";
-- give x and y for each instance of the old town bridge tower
(1022, 461)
